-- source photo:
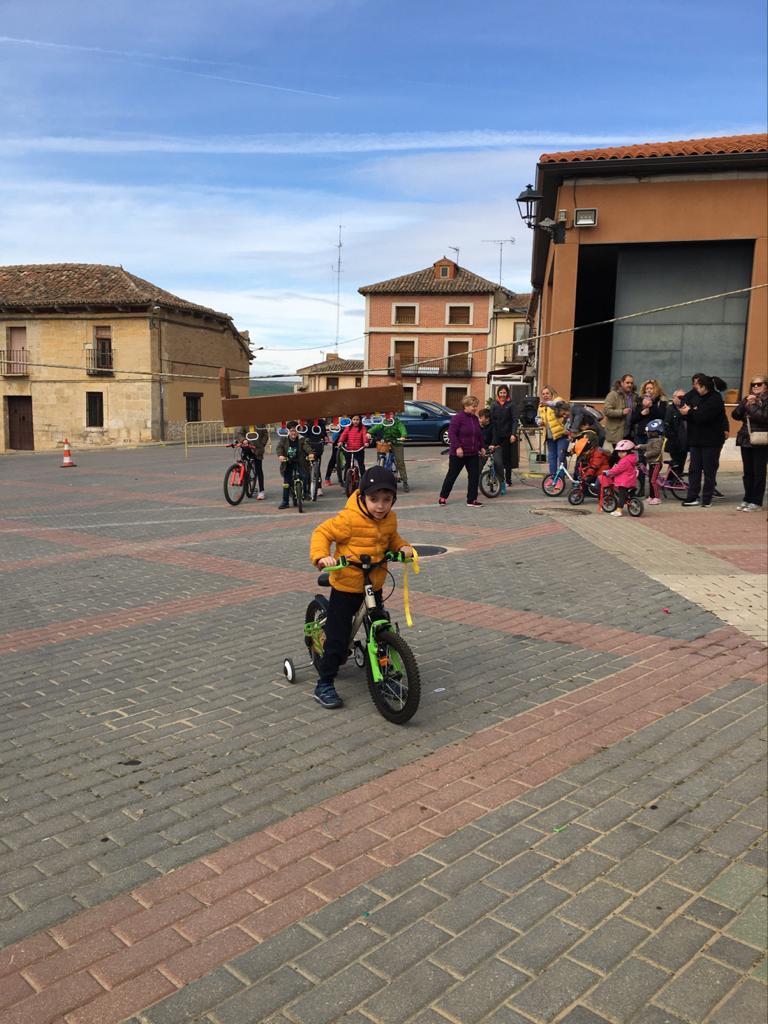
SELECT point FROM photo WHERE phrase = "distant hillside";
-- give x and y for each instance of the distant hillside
(270, 387)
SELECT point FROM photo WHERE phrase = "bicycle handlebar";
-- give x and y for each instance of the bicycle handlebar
(346, 563)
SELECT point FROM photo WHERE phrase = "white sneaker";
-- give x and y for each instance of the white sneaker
(741, 506)
(260, 496)
(616, 512)
(319, 492)
(751, 507)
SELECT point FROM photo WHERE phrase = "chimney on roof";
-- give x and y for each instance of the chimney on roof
(331, 355)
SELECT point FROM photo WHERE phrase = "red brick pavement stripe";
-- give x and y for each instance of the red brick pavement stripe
(177, 928)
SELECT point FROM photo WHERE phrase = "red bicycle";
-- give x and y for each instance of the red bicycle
(240, 478)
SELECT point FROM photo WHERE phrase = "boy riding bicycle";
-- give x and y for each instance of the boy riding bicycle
(366, 526)
(394, 434)
(293, 453)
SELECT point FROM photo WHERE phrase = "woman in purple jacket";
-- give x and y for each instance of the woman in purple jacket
(466, 447)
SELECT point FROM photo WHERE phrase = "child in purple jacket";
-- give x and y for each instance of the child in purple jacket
(466, 447)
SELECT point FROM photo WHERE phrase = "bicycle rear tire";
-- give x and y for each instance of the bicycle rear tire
(298, 493)
(235, 483)
(317, 612)
(576, 496)
(635, 506)
(490, 484)
(553, 486)
(679, 491)
(610, 504)
(314, 483)
(352, 479)
(397, 696)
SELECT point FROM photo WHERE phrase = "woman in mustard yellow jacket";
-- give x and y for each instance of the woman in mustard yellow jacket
(552, 419)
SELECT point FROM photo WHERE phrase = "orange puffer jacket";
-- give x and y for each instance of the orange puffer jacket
(355, 533)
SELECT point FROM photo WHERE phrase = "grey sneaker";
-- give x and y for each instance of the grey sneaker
(741, 506)
(325, 694)
(751, 507)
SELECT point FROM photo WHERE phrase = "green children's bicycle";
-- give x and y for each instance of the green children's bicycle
(391, 669)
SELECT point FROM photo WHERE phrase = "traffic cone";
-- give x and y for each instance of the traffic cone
(68, 462)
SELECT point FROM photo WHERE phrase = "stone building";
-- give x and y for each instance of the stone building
(332, 374)
(99, 356)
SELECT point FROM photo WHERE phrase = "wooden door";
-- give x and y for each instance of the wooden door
(453, 397)
(21, 436)
(458, 358)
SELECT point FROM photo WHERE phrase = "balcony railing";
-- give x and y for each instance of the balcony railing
(449, 366)
(13, 362)
(99, 362)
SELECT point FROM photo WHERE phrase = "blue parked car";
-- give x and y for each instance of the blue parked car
(427, 421)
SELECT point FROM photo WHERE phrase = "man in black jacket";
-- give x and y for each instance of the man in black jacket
(704, 414)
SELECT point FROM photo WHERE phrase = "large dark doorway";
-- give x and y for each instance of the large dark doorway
(21, 435)
(595, 301)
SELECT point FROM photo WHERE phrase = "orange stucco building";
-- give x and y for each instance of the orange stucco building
(635, 228)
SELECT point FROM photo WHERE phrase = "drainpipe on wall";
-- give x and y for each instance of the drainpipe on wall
(158, 321)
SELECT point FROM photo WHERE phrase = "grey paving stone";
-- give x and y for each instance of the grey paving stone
(407, 949)
(735, 954)
(736, 886)
(452, 847)
(458, 876)
(548, 793)
(505, 817)
(695, 991)
(627, 990)
(593, 905)
(530, 906)
(581, 1015)
(190, 1002)
(566, 843)
(732, 839)
(401, 877)
(710, 913)
(258, 1001)
(335, 953)
(580, 870)
(459, 913)
(658, 1015)
(330, 1000)
(274, 952)
(341, 912)
(519, 872)
(473, 999)
(508, 844)
(677, 943)
(467, 951)
(622, 840)
(406, 909)
(418, 986)
(542, 944)
(655, 905)
(608, 944)
(695, 870)
(747, 1005)
(554, 990)
(638, 869)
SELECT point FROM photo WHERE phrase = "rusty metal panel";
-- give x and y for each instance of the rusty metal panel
(238, 412)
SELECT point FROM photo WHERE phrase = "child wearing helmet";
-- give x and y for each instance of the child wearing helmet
(623, 474)
(365, 526)
(654, 454)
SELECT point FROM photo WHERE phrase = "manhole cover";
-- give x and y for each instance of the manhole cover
(425, 550)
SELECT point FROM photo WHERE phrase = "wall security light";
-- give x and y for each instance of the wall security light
(584, 218)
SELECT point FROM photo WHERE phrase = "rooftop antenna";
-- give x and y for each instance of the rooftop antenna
(501, 242)
(337, 271)
(455, 248)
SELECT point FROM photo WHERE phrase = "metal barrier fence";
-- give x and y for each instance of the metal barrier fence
(207, 433)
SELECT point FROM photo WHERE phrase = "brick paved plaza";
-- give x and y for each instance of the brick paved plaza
(571, 829)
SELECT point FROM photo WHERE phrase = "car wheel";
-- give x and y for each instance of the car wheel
(444, 438)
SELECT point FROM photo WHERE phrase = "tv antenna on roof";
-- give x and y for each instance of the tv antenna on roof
(501, 242)
(337, 271)
(455, 248)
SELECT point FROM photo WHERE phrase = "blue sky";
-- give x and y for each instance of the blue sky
(214, 148)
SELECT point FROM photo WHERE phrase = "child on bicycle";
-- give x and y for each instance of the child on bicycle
(334, 433)
(257, 443)
(355, 439)
(623, 475)
(293, 453)
(394, 434)
(365, 526)
(317, 438)
(654, 453)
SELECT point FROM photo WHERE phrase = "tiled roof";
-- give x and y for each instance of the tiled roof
(720, 146)
(423, 282)
(334, 366)
(74, 285)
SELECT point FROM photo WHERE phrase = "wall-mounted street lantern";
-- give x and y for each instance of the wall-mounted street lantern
(528, 203)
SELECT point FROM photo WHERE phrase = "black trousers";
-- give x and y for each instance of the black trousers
(455, 466)
(703, 461)
(503, 457)
(342, 610)
(754, 461)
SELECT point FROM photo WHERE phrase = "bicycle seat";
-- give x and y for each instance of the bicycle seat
(324, 580)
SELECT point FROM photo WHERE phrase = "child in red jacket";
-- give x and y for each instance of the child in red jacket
(354, 439)
(623, 474)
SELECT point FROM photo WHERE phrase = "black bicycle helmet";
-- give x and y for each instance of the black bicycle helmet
(378, 479)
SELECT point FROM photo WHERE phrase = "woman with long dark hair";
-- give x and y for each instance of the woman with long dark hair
(504, 432)
(752, 413)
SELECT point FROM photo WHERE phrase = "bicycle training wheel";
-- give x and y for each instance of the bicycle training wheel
(314, 629)
(298, 492)
(234, 483)
(490, 484)
(553, 485)
(398, 694)
(609, 502)
(635, 507)
(250, 480)
(575, 496)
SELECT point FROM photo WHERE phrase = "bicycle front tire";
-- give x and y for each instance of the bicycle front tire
(298, 493)
(234, 483)
(250, 480)
(314, 483)
(490, 484)
(553, 485)
(398, 694)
